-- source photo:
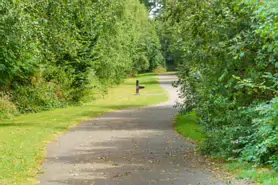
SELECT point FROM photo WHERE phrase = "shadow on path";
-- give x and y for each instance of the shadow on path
(128, 147)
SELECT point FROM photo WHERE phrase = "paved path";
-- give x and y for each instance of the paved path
(130, 147)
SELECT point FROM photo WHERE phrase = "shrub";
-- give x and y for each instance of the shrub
(142, 63)
(159, 69)
(261, 145)
(61, 81)
(252, 135)
(38, 96)
(7, 108)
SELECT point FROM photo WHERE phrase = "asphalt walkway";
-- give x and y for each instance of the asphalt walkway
(129, 147)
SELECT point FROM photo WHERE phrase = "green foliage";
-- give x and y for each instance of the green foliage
(160, 69)
(18, 59)
(227, 54)
(77, 47)
(38, 96)
(7, 108)
(61, 82)
(261, 145)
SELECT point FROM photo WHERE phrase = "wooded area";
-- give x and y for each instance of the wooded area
(54, 53)
(227, 55)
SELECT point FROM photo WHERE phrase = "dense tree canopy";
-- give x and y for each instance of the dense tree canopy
(228, 72)
(57, 52)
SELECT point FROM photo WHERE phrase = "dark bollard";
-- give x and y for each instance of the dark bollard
(138, 87)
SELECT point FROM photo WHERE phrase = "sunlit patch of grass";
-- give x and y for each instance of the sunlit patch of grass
(187, 126)
(23, 139)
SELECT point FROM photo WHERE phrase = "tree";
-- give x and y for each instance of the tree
(59, 52)
(227, 71)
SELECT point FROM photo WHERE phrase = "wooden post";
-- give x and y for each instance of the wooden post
(137, 87)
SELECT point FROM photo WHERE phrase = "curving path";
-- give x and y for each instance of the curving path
(131, 147)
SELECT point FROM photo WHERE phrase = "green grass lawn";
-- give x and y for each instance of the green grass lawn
(187, 126)
(23, 140)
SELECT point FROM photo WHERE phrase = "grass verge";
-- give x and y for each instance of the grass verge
(23, 139)
(187, 126)
(261, 175)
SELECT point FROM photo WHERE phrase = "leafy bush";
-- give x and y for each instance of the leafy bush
(142, 63)
(61, 80)
(159, 69)
(7, 108)
(252, 136)
(38, 96)
(261, 145)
